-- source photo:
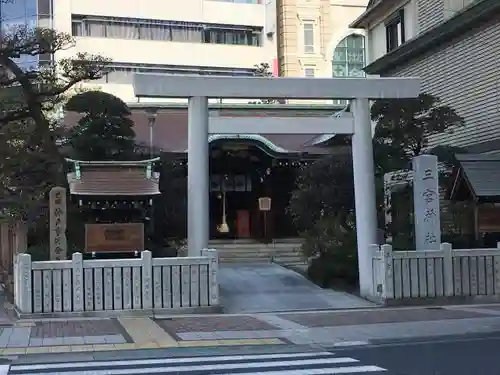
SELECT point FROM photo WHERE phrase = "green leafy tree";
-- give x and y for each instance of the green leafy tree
(105, 130)
(322, 189)
(171, 219)
(264, 70)
(330, 246)
(403, 127)
(402, 131)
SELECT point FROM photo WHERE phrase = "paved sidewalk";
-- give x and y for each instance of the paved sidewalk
(340, 328)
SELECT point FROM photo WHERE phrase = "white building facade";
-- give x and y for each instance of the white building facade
(454, 47)
(195, 37)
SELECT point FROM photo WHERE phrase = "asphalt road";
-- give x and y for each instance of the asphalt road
(466, 355)
(459, 355)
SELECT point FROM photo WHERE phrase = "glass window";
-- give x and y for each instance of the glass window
(175, 31)
(309, 37)
(45, 7)
(122, 30)
(76, 28)
(155, 32)
(309, 72)
(241, 1)
(123, 73)
(349, 59)
(95, 29)
(45, 21)
(395, 30)
(17, 13)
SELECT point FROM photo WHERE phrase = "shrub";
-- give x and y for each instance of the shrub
(332, 251)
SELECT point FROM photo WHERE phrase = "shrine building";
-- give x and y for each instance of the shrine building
(243, 167)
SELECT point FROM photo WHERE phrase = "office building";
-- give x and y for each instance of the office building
(453, 46)
(27, 12)
(315, 40)
(195, 37)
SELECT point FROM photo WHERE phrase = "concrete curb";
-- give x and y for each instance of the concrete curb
(347, 344)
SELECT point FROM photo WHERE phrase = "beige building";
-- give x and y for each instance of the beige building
(314, 38)
(225, 37)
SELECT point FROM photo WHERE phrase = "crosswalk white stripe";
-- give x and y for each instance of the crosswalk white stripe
(212, 367)
(319, 371)
(166, 361)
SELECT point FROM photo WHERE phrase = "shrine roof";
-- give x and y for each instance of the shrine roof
(482, 173)
(113, 178)
(113, 163)
(170, 130)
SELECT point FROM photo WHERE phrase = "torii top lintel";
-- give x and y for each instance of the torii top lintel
(169, 86)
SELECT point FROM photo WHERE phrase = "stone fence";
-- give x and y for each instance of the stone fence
(89, 287)
(457, 275)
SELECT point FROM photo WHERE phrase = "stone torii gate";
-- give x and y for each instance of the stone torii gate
(198, 89)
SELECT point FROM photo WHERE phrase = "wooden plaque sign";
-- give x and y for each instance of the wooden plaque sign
(118, 237)
(265, 204)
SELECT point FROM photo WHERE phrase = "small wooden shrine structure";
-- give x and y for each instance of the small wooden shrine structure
(115, 198)
(476, 189)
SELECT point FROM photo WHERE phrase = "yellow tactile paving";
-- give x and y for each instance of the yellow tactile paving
(193, 343)
(143, 345)
(104, 347)
(13, 351)
(144, 330)
(82, 348)
(25, 323)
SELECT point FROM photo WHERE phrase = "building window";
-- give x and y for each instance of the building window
(77, 28)
(309, 37)
(241, 1)
(349, 59)
(309, 71)
(395, 30)
(171, 31)
(123, 73)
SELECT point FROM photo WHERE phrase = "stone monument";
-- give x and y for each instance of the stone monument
(426, 202)
(58, 217)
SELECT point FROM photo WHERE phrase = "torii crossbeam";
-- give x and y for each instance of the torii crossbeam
(198, 89)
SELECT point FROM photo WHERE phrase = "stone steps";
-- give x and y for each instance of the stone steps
(281, 253)
(255, 246)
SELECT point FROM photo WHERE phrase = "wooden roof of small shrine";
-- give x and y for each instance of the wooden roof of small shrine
(114, 178)
(481, 175)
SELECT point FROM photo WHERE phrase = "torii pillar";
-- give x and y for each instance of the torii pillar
(359, 90)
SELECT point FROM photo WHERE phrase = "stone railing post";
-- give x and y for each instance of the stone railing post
(447, 269)
(147, 279)
(77, 269)
(387, 272)
(377, 280)
(213, 270)
(22, 284)
(496, 266)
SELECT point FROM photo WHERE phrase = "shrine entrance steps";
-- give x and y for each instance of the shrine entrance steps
(285, 252)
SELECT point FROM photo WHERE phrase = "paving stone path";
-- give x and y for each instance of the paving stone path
(328, 328)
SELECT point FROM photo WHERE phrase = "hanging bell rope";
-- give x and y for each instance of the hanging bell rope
(223, 227)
